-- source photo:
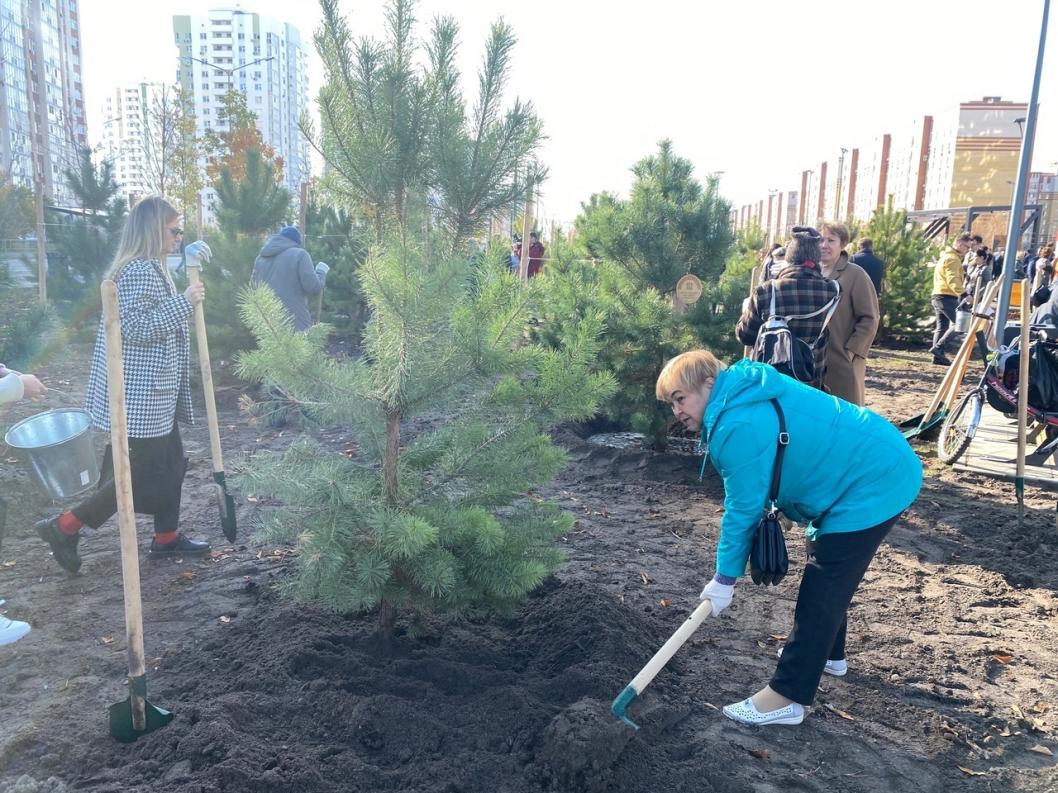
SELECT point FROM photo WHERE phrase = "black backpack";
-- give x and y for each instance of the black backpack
(777, 345)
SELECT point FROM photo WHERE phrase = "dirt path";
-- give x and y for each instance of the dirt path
(953, 681)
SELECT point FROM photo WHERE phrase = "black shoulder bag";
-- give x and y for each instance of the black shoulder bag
(768, 561)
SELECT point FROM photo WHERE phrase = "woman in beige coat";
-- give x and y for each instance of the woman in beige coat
(855, 322)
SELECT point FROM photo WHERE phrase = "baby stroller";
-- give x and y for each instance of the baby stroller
(998, 388)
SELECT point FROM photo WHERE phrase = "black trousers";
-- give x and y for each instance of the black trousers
(836, 564)
(944, 311)
(158, 466)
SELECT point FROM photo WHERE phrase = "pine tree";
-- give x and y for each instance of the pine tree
(450, 407)
(331, 236)
(641, 334)
(85, 245)
(669, 226)
(908, 280)
(251, 202)
(423, 518)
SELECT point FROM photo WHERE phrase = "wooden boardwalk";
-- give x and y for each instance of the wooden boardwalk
(994, 450)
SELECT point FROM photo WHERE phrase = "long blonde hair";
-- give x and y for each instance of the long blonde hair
(146, 235)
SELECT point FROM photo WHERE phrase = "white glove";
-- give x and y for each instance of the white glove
(719, 594)
(199, 251)
(322, 268)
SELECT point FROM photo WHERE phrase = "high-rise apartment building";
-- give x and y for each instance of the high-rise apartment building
(259, 56)
(42, 112)
(132, 137)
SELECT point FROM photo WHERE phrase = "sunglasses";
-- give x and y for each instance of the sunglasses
(176, 232)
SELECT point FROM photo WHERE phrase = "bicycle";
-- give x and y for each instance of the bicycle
(998, 388)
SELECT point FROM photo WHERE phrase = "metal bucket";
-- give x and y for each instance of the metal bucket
(963, 318)
(56, 448)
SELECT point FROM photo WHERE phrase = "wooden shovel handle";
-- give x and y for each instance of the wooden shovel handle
(669, 648)
(119, 444)
(207, 379)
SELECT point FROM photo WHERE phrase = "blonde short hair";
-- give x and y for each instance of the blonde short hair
(687, 372)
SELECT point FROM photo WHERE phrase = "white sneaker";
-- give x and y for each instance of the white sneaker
(836, 668)
(11, 631)
(746, 713)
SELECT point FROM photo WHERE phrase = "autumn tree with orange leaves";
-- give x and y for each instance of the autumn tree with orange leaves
(227, 149)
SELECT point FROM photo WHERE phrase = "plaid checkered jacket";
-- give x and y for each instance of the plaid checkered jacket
(798, 291)
(156, 353)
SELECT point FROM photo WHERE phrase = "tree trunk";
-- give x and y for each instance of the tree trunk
(389, 463)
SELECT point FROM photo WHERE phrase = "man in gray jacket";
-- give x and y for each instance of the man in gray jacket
(287, 267)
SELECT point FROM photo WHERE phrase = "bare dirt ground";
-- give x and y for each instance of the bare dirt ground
(953, 681)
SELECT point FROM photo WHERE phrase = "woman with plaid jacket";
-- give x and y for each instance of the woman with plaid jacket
(802, 295)
(156, 356)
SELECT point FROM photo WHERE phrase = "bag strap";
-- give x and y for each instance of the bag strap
(781, 443)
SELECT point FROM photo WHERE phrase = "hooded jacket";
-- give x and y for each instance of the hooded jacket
(287, 268)
(845, 468)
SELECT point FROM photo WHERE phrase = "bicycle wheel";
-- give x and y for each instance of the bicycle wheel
(959, 427)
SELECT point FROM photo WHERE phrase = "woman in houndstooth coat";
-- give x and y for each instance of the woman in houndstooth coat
(156, 356)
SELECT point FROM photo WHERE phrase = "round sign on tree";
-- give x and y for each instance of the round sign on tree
(688, 289)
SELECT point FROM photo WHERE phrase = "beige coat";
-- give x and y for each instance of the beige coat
(852, 330)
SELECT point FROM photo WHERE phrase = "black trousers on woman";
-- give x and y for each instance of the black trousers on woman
(158, 466)
(836, 564)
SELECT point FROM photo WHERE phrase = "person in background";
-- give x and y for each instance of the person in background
(802, 295)
(13, 387)
(947, 291)
(774, 266)
(847, 474)
(156, 352)
(870, 263)
(516, 254)
(1040, 266)
(855, 322)
(968, 261)
(287, 268)
(536, 254)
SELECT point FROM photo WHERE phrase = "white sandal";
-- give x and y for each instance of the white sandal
(747, 713)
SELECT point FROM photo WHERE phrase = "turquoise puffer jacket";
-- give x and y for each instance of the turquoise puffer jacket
(846, 468)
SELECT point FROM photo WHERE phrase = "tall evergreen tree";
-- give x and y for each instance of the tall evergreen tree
(428, 514)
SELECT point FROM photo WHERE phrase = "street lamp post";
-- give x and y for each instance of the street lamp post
(228, 72)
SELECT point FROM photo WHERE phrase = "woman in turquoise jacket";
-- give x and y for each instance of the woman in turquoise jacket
(847, 474)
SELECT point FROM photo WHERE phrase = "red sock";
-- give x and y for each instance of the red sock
(165, 537)
(69, 524)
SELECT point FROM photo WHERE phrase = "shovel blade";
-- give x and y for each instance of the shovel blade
(917, 428)
(122, 721)
(226, 505)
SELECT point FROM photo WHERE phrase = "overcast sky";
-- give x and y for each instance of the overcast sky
(758, 89)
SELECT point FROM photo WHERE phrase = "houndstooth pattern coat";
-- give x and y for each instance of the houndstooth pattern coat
(156, 353)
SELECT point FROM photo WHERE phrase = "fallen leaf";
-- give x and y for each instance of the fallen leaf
(971, 772)
(665, 602)
(1039, 707)
(1017, 711)
(107, 640)
(1006, 732)
(1040, 749)
(645, 577)
(186, 575)
(711, 705)
(224, 619)
(776, 637)
(8, 565)
(840, 712)
(760, 754)
(1003, 659)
